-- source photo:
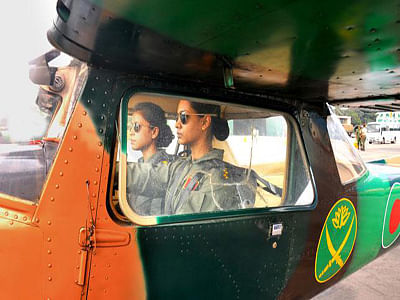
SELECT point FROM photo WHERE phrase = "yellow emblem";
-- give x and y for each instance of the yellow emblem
(336, 241)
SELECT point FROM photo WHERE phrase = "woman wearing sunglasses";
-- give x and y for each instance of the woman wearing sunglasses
(149, 134)
(202, 181)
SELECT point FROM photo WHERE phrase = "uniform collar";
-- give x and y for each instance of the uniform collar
(155, 157)
(213, 154)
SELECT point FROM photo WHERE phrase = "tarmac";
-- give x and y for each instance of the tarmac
(380, 279)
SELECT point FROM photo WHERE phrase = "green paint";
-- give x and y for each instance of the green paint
(316, 35)
(390, 231)
(336, 241)
(100, 100)
(222, 259)
(372, 190)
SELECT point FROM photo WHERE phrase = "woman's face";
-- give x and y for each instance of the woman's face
(145, 134)
(191, 131)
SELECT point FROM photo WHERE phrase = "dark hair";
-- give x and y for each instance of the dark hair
(219, 127)
(156, 117)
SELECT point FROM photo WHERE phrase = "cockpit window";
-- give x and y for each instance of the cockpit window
(349, 163)
(188, 156)
(31, 131)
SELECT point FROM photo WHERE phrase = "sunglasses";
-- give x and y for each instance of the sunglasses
(136, 127)
(183, 116)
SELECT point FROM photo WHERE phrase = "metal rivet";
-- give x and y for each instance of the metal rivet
(100, 144)
(98, 156)
(61, 173)
(52, 199)
(49, 222)
(70, 149)
(25, 218)
(48, 251)
(49, 239)
(94, 195)
(74, 137)
(49, 265)
(66, 161)
(104, 105)
(84, 113)
(37, 220)
(50, 279)
(95, 182)
(102, 117)
(79, 252)
(6, 213)
(79, 125)
(15, 216)
(274, 245)
(96, 169)
(105, 93)
(57, 186)
(89, 101)
(93, 89)
(77, 267)
(101, 130)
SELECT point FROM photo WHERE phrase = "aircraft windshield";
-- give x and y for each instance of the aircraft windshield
(348, 161)
(31, 131)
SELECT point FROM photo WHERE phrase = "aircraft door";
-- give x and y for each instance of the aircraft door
(228, 224)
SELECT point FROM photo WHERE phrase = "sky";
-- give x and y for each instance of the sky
(23, 27)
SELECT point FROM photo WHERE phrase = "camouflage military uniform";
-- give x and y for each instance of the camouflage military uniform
(147, 205)
(206, 184)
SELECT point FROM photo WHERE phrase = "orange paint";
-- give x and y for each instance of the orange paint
(45, 244)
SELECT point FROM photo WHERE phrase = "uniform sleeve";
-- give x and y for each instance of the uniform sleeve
(147, 179)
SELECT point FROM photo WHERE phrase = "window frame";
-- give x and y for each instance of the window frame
(167, 219)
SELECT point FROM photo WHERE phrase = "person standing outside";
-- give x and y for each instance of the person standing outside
(358, 136)
(363, 136)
